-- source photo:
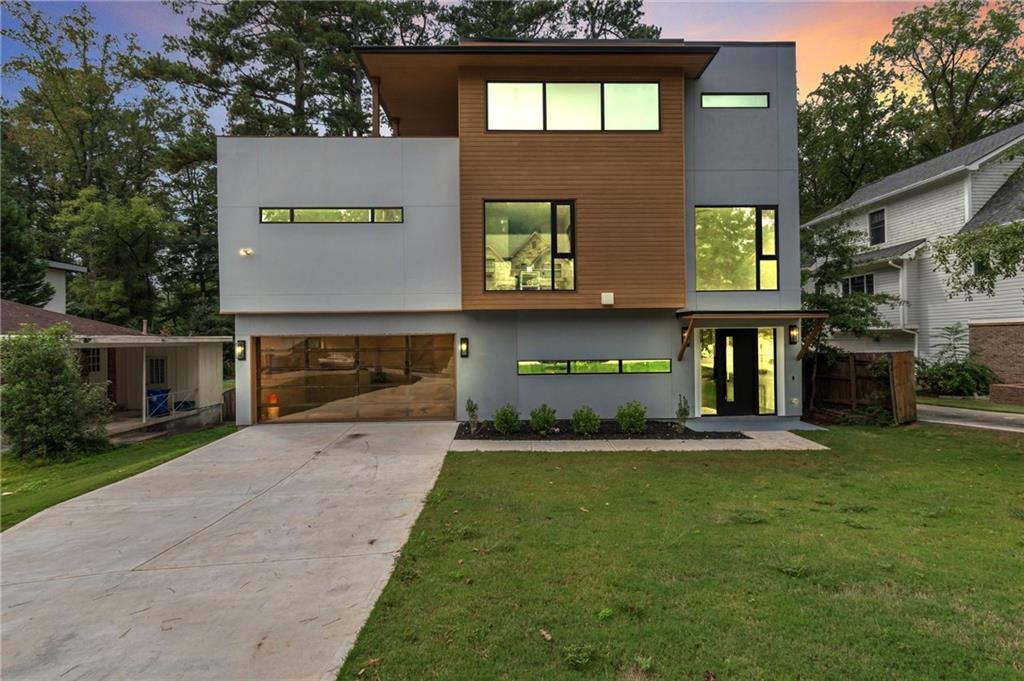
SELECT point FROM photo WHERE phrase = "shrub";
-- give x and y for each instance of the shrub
(967, 376)
(682, 412)
(632, 418)
(542, 420)
(49, 412)
(473, 414)
(506, 420)
(585, 421)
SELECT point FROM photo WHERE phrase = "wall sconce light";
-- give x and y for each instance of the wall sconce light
(463, 347)
(245, 252)
(240, 350)
(794, 334)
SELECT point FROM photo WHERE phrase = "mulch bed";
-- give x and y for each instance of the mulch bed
(656, 430)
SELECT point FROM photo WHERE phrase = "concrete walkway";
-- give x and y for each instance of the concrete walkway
(758, 441)
(971, 418)
(258, 556)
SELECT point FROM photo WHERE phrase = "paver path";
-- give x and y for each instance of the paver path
(258, 556)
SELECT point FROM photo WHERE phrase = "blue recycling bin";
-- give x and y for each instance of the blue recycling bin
(158, 401)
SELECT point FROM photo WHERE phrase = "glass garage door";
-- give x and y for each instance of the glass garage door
(349, 378)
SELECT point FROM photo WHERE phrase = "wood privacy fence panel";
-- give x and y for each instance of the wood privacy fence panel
(865, 379)
(228, 406)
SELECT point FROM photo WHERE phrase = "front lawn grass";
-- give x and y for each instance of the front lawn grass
(30, 486)
(899, 554)
(965, 403)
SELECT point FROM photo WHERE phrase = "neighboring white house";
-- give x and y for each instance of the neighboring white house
(57, 277)
(901, 214)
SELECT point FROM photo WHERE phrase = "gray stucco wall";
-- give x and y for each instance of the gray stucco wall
(742, 157)
(339, 267)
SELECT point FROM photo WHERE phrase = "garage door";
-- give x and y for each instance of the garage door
(352, 378)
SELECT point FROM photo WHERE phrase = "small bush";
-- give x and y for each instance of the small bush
(473, 414)
(585, 421)
(966, 376)
(578, 655)
(632, 418)
(506, 420)
(682, 412)
(542, 420)
(49, 412)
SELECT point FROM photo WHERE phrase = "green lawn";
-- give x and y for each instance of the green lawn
(960, 403)
(899, 554)
(30, 486)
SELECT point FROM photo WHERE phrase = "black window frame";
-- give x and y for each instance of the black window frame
(867, 284)
(569, 372)
(767, 100)
(759, 248)
(90, 359)
(872, 227)
(291, 215)
(555, 253)
(544, 106)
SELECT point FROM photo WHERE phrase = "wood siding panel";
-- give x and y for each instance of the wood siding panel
(628, 188)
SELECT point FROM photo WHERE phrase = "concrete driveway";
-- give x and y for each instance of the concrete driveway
(258, 556)
(971, 418)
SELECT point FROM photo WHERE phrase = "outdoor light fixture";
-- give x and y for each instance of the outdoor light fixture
(240, 350)
(794, 334)
(245, 252)
(463, 347)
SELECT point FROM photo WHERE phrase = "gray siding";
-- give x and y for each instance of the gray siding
(339, 267)
(742, 157)
(987, 180)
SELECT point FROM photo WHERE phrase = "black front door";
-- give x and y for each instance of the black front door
(736, 371)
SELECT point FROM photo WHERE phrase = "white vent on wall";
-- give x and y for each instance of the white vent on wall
(607, 298)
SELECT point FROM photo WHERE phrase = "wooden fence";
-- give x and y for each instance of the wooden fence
(864, 379)
(228, 406)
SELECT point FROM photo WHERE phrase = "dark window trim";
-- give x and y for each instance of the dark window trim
(569, 372)
(554, 245)
(871, 228)
(544, 107)
(291, 215)
(846, 285)
(758, 243)
(767, 97)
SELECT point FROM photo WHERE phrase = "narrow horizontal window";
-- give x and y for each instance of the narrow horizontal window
(571, 106)
(753, 100)
(331, 215)
(593, 366)
(539, 367)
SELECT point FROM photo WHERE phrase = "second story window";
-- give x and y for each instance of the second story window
(754, 100)
(861, 283)
(573, 106)
(529, 246)
(737, 248)
(331, 215)
(876, 227)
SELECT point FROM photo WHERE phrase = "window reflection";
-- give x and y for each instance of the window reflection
(518, 248)
(766, 371)
(708, 390)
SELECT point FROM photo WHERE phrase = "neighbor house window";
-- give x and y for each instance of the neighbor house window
(737, 248)
(862, 283)
(573, 106)
(752, 100)
(533, 367)
(156, 371)
(91, 359)
(529, 246)
(331, 215)
(876, 226)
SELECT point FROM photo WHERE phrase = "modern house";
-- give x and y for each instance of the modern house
(560, 222)
(900, 215)
(151, 379)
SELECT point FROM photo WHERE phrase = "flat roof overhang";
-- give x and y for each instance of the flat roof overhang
(419, 86)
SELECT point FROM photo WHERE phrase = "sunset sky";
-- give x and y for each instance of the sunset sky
(827, 34)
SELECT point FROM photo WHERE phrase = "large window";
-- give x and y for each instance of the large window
(330, 215)
(861, 283)
(737, 248)
(876, 226)
(753, 100)
(529, 246)
(573, 106)
(547, 367)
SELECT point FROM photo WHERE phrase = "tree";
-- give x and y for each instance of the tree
(22, 270)
(516, 19)
(122, 242)
(976, 260)
(853, 130)
(595, 19)
(49, 412)
(966, 58)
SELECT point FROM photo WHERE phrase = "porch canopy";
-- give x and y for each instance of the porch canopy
(692, 317)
